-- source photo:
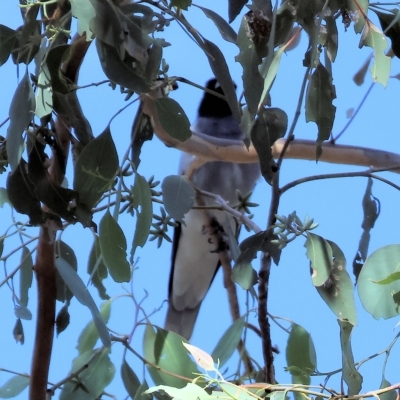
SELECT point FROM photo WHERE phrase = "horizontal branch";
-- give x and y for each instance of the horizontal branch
(207, 148)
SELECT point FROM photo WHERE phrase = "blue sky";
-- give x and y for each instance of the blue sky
(334, 204)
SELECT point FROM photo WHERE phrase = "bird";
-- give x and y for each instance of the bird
(195, 250)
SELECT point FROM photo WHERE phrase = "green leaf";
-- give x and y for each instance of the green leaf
(67, 254)
(113, 249)
(320, 254)
(13, 387)
(62, 319)
(44, 94)
(7, 39)
(120, 71)
(144, 212)
(221, 72)
(173, 119)
(165, 350)
(21, 113)
(224, 28)
(337, 291)
(391, 394)
(250, 60)
(78, 288)
(244, 275)
(350, 374)
(389, 279)
(96, 168)
(96, 268)
(378, 299)
(25, 276)
(319, 107)
(93, 379)
(89, 335)
(178, 196)
(18, 332)
(22, 312)
(234, 8)
(374, 38)
(129, 379)
(183, 4)
(300, 351)
(227, 344)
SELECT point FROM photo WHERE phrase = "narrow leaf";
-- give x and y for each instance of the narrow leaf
(21, 112)
(25, 276)
(13, 387)
(78, 288)
(113, 249)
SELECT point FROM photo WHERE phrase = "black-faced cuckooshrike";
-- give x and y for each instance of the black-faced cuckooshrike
(195, 255)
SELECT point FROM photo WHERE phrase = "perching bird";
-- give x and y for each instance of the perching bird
(195, 254)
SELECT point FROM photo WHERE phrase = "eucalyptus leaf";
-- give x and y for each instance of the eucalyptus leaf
(350, 374)
(144, 212)
(25, 276)
(21, 113)
(96, 168)
(14, 386)
(320, 255)
(78, 288)
(173, 119)
(93, 379)
(178, 196)
(113, 249)
(7, 39)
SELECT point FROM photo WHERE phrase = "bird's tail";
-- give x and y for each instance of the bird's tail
(181, 322)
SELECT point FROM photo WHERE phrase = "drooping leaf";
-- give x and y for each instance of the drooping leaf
(390, 395)
(337, 291)
(113, 249)
(371, 210)
(374, 38)
(173, 119)
(93, 379)
(319, 107)
(96, 168)
(89, 335)
(221, 72)
(178, 196)
(79, 290)
(391, 25)
(62, 319)
(129, 379)
(377, 299)
(13, 387)
(96, 268)
(165, 350)
(234, 8)
(120, 71)
(7, 39)
(244, 275)
(4, 197)
(319, 253)
(21, 112)
(300, 351)
(228, 343)
(44, 96)
(350, 374)
(67, 254)
(56, 56)
(25, 276)
(144, 212)
(18, 332)
(224, 28)
(250, 60)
